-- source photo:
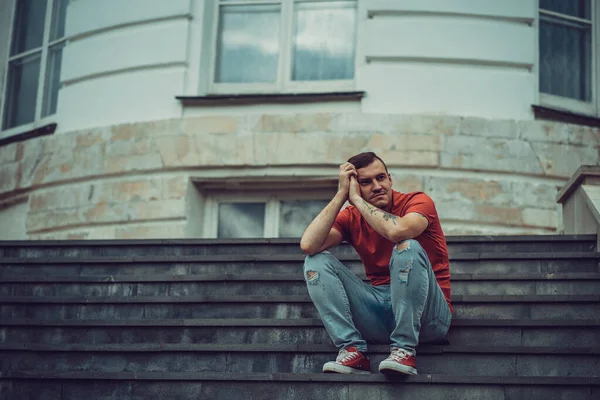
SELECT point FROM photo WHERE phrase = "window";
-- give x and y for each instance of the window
(33, 73)
(283, 46)
(567, 58)
(256, 215)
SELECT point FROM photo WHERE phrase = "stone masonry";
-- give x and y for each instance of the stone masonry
(130, 181)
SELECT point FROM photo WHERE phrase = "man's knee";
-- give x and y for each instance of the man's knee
(408, 244)
(315, 264)
(319, 258)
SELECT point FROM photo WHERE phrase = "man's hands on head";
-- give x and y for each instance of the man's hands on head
(347, 171)
(320, 234)
(354, 192)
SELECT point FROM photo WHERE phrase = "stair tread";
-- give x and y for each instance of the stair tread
(281, 322)
(154, 242)
(464, 256)
(294, 348)
(268, 276)
(308, 377)
(456, 299)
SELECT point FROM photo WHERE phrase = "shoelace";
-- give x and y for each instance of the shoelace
(399, 355)
(347, 356)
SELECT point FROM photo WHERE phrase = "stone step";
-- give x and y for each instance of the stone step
(294, 358)
(179, 247)
(517, 332)
(137, 307)
(282, 285)
(83, 385)
(240, 265)
(280, 277)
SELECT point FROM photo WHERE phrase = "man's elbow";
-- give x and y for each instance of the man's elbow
(308, 248)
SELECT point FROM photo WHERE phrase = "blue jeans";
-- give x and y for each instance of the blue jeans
(410, 309)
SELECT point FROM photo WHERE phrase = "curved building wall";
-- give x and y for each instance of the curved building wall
(128, 62)
(448, 93)
(458, 57)
(134, 180)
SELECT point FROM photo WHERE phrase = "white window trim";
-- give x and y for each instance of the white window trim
(38, 121)
(283, 83)
(272, 208)
(588, 108)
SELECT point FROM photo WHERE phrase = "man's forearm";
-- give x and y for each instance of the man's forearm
(388, 225)
(315, 235)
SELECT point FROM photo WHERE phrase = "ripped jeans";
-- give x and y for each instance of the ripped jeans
(410, 309)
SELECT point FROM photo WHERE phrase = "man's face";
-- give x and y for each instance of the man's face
(376, 185)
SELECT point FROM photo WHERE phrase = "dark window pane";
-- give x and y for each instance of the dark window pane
(22, 89)
(59, 11)
(28, 30)
(324, 41)
(248, 44)
(565, 58)
(241, 220)
(52, 82)
(574, 8)
(296, 215)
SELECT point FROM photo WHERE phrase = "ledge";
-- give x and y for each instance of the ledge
(311, 378)
(19, 137)
(553, 114)
(592, 324)
(276, 241)
(243, 299)
(576, 180)
(261, 98)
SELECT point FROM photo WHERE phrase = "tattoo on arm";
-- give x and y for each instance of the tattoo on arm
(372, 209)
(386, 216)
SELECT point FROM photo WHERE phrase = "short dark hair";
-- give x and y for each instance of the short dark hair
(363, 159)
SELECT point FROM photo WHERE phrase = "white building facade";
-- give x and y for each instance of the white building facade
(229, 118)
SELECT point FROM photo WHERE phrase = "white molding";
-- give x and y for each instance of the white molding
(12, 9)
(198, 47)
(535, 70)
(285, 44)
(567, 104)
(44, 60)
(568, 17)
(272, 217)
(519, 11)
(27, 127)
(85, 18)
(596, 55)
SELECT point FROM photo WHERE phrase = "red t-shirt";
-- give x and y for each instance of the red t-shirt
(375, 250)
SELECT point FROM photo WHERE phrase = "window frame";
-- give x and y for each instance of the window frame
(272, 206)
(283, 83)
(38, 121)
(559, 102)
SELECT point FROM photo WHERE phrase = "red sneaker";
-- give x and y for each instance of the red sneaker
(399, 361)
(349, 361)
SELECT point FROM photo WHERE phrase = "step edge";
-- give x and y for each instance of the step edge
(290, 348)
(278, 277)
(465, 256)
(456, 299)
(190, 322)
(309, 377)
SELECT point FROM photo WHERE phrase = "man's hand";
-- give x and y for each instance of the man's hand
(354, 191)
(347, 171)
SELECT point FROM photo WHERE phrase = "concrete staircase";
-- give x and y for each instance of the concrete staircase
(209, 319)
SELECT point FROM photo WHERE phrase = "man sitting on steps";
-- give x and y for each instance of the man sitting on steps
(400, 241)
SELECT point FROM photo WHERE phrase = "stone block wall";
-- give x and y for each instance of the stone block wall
(130, 181)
